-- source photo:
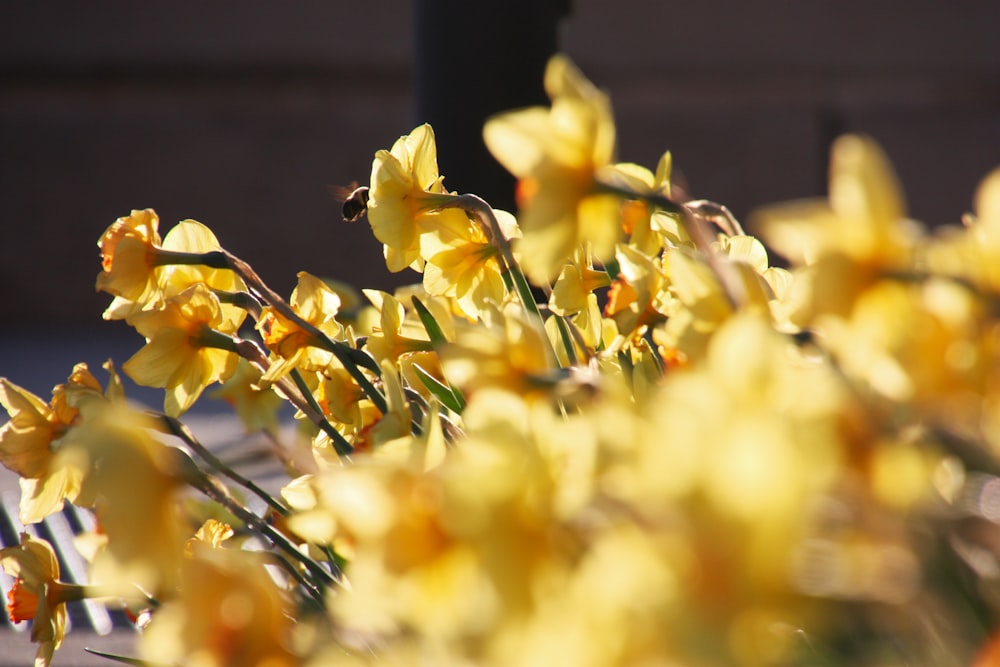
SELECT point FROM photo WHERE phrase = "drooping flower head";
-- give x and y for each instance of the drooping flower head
(176, 356)
(190, 236)
(28, 440)
(128, 254)
(37, 594)
(556, 153)
(847, 241)
(292, 346)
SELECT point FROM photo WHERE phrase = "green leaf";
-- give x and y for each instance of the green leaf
(434, 331)
(449, 397)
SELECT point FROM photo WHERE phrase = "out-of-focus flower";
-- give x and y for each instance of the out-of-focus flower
(257, 408)
(973, 251)
(641, 223)
(179, 355)
(37, 594)
(229, 613)
(849, 240)
(28, 442)
(556, 153)
(510, 351)
(402, 197)
(210, 535)
(133, 480)
(294, 347)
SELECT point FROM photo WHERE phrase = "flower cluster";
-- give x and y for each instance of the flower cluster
(603, 431)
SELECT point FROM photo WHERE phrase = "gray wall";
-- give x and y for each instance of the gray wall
(239, 113)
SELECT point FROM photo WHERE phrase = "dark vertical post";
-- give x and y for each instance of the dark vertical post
(472, 60)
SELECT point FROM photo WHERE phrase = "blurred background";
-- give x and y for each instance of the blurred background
(241, 113)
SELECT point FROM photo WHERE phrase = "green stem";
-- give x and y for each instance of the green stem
(215, 490)
(699, 236)
(301, 399)
(343, 447)
(488, 221)
(178, 428)
(243, 300)
(567, 340)
(349, 357)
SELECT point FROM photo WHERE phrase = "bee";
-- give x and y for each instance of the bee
(354, 198)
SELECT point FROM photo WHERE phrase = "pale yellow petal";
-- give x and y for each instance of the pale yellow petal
(519, 139)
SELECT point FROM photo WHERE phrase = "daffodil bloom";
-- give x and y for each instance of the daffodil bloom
(179, 354)
(637, 217)
(210, 535)
(257, 408)
(972, 252)
(134, 480)
(293, 346)
(461, 262)
(139, 269)
(510, 351)
(576, 282)
(229, 612)
(339, 395)
(27, 442)
(556, 153)
(387, 340)
(639, 297)
(405, 190)
(190, 236)
(848, 241)
(128, 258)
(37, 594)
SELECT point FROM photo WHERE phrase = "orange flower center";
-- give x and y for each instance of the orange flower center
(22, 602)
(633, 212)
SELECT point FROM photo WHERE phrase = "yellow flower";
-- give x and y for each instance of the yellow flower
(37, 594)
(973, 252)
(850, 239)
(318, 305)
(128, 258)
(210, 535)
(387, 341)
(193, 237)
(27, 442)
(555, 153)
(340, 396)
(638, 297)
(403, 184)
(134, 479)
(640, 222)
(257, 408)
(510, 351)
(176, 356)
(462, 263)
(229, 613)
